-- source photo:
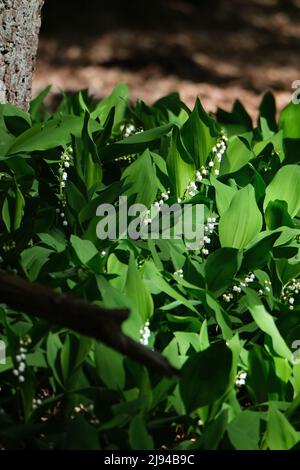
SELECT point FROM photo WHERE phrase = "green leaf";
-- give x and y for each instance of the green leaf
(244, 430)
(187, 339)
(262, 382)
(205, 376)
(37, 102)
(52, 134)
(19, 208)
(267, 110)
(109, 365)
(277, 143)
(199, 134)
(266, 323)
(221, 316)
(242, 221)
(84, 249)
(288, 269)
(289, 121)
(238, 154)
(81, 435)
(276, 215)
(282, 187)
(280, 433)
(156, 282)
(139, 438)
(220, 268)
(137, 292)
(54, 239)
(33, 259)
(224, 194)
(6, 215)
(9, 110)
(140, 178)
(118, 100)
(181, 167)
(136, 143)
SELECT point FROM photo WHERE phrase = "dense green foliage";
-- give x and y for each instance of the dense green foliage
(227, 314)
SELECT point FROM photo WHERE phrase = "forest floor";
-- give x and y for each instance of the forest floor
(237, 50)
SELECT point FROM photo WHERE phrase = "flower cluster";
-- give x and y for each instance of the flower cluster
(64, 165)
(130, 129)
(241, 379)
(220, 148)
(125, 158)
(21, 367)
(208, 230)
(145, 334)
(192, 189)
(289, 292)
(147, 215)
(266, 288)
(36, 402)
(215, 159)
(237, 288)
(213, 166)
(10, 245)
(179, 273)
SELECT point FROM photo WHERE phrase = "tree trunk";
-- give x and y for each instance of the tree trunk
(20, 22)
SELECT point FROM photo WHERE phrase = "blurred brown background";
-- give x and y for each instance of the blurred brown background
(220, 50)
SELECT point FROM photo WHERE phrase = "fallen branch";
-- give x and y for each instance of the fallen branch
(74, 313)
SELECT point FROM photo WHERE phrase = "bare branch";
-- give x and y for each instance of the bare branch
(74, 313)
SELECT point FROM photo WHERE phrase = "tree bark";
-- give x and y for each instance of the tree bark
(20, 22)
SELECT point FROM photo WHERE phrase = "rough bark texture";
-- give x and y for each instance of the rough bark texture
(20, 22)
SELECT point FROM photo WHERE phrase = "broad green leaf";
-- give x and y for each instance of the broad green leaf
(199, 135)
(289, 121)
(6, 215)
(181, 167)
(54, 133)
(187, 339)
(280, 433)
(109, 365)
(242, 221)
(205, 376)
(224, 194)
(267, 110)
(84, 249)
(238, 155)
(276, 215)
(159, 284)
(288, 268)
(221, 316)
(139, 437)
(266, 323)
(137, 292)
(54, 239)
(9, 110)
(38, 101)
(276, 141)
(33, 259)
(283, 187)
(220, 269)
(81, 435)
(118, 100)
(244, 430)
(19, 208)
(140, 178)
(136, 143)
